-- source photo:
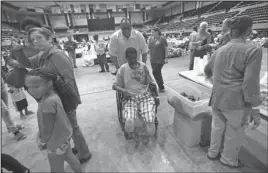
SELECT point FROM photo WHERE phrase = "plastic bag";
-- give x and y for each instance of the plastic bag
(199, 65)
(263, 80)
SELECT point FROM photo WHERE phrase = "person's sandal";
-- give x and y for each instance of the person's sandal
(18, 127)
(29, 113)
(19, 136)
(214, 158)
(239, 165)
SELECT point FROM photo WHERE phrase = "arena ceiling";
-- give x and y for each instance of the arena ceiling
(47, 4)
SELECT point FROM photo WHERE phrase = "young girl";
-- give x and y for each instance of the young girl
(19, 100)
(55, 130)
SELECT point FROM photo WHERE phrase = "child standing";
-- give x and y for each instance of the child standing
(55, 130)
(19, 100)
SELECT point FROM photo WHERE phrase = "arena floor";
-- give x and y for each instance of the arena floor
(97, 117)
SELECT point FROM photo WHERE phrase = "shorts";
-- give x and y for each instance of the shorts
(62, 149)
(143, 105)
(21, 105)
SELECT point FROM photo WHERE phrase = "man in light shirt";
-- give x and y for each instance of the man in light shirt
(124, 38)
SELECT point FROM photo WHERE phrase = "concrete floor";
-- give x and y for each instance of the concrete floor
(97, 116)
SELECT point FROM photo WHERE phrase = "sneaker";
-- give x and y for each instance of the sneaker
(22, 117)
(29, 113)
(19, 136)
(239, 165)
(214, 158)
(102, 71)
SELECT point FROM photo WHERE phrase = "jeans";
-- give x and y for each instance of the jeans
(157, 72)
(5, 111)
(103, 61)
(79, 140)
(227, 129)
(72, 56)
(11, 164)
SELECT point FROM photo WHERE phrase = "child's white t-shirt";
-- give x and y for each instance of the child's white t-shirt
(17, 94)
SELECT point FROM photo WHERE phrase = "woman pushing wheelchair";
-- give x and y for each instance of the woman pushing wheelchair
(139, 101)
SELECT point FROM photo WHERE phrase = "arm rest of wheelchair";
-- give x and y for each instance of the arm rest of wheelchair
(157, 101)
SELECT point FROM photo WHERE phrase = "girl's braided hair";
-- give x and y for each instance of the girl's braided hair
(43, 73)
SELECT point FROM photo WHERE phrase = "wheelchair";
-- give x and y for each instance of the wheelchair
(120, 105)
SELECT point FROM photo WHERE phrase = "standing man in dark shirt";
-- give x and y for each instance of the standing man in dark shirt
(158, 56)
(70, 47)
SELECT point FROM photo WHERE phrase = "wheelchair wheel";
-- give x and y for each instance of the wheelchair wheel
(120, 109)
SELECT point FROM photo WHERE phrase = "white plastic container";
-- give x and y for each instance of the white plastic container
(187, 130)
(187, 107)
(192, 120)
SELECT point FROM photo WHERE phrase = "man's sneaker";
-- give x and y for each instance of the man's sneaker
(239, 165)
(19, 136)
(214, 158)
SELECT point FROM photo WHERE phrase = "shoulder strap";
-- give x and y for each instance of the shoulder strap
(50, 54)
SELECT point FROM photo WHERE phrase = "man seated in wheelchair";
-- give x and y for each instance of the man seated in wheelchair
(133, 79)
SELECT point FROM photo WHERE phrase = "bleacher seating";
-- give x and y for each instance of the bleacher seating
(225, 5)
(218, 18)
(203, 10)
(247, 3)
(258, 14)
(192, 22)
(175, 25)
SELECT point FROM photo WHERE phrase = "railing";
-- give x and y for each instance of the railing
(237, 5)
(214, 7)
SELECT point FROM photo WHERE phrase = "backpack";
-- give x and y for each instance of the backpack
(64, 91)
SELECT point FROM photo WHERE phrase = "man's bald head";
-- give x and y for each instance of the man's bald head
(125, 20)
(125, 27)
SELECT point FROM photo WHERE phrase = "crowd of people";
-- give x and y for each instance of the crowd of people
(234, 66)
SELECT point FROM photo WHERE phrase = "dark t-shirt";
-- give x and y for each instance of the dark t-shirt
(157, 51)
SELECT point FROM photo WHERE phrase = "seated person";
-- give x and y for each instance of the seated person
(133, 79)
